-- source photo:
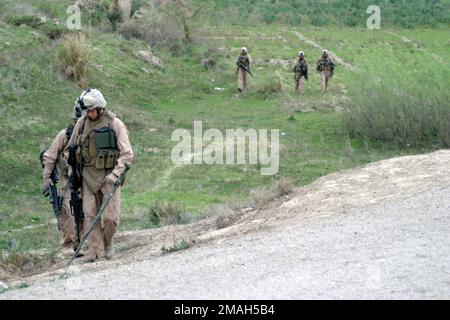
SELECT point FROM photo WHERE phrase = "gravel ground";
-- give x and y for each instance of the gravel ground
(390, 250)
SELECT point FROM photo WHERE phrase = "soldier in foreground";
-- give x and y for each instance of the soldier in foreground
(326, 68)
(103, 150)
(300, 70)
(54, 158)
(243, 68)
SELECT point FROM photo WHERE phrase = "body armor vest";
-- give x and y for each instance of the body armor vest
(97, 151)
(244, 60)
(326, 65)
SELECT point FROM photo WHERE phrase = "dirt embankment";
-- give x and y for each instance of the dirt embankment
(334, 194)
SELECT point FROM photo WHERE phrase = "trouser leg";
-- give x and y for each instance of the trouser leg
(111, 214)
(91, 205)
(67, 224)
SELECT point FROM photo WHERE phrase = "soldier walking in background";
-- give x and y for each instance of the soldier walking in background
(326, 68)
(243, 69)
(300, 70)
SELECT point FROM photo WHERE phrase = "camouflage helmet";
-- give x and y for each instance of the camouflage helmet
(77, 111)
(91, 99)
(301, 54)
(244, 50)
(325, 52)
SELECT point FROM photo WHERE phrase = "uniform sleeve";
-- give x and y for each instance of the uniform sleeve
(124, 146)
(52, 154)
(250, 61)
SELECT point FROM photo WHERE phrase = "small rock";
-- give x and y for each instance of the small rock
(154, 150)
(149, 57)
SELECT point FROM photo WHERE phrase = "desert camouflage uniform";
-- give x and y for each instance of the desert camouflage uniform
(326, 68)
(100, 169)
(299, 69)
(242, 75)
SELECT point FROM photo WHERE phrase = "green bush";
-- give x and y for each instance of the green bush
(295, 19)
(269, 16)
(132, 30)
(350, 21)
(319, 21)
(176, 247)
(345, 12)
(400, 114)
(32, 21)
(271, 88)
(54, 31)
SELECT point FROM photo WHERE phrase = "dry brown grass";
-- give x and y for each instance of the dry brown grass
(224, 215)
(283, 187)
(261, 197)
(24, 263)
(74, 58)
(164, 213)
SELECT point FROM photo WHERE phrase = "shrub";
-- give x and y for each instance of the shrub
(176, 247)
(17, 261)
(295, 19)
(156, 28)
(224, 215)
(54, 31)
(283, 187)
(74, 58)
(32, 21)
(164, 213)
(319, 21)
(132, 30)
(350, 21)
(260, 197)
(397, 113)
(271, 88)
(114, 14)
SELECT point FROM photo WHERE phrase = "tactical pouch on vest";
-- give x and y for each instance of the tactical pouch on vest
(106, 144)
(100, 162)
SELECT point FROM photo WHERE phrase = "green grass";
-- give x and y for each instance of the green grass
(36, 101)
(176, 247)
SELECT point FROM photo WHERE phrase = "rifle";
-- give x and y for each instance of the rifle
(76, 203)
(98, 217)
(240, 64)
(55, 200)
(303, 70)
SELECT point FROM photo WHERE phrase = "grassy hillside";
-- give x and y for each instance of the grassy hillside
(36, 101)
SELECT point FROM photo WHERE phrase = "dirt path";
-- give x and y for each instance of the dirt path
(383, 199)
(318, 46)
(394, 250)
(417, 46)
